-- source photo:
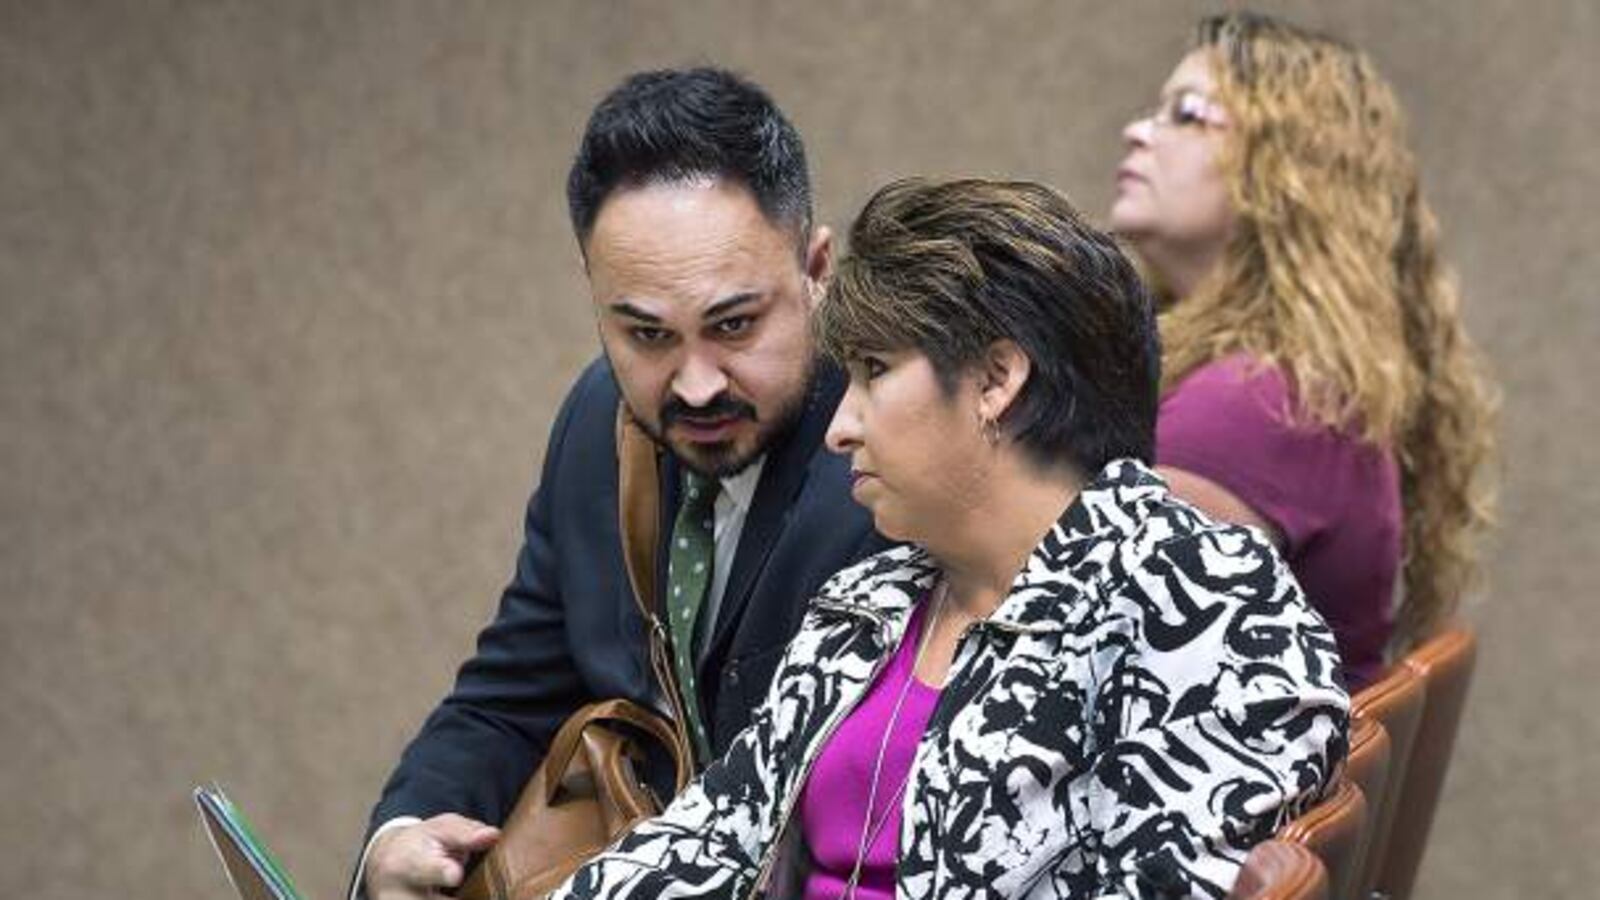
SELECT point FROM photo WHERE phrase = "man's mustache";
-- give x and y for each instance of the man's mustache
(722, 406)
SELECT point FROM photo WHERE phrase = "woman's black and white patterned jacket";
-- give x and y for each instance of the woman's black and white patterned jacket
(1152, 698)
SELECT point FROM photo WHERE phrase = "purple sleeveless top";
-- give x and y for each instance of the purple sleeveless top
(1333, 497)
(833, 803)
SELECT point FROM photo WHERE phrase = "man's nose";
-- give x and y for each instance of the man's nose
(699, 379)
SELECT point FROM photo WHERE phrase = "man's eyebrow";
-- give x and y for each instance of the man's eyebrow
(624, 308)
(730, 303)
(719, 308)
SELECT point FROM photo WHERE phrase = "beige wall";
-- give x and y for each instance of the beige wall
(289, 300)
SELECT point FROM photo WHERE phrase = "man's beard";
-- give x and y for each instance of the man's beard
(722, 459)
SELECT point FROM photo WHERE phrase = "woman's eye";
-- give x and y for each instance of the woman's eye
(1189, 109)
(863, 368)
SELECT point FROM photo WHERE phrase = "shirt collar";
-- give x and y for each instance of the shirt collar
(1111, 508)
(741, 488)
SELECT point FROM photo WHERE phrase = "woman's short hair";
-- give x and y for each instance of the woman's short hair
(947, 268)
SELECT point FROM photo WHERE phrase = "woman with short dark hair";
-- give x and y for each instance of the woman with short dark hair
(1064, 683)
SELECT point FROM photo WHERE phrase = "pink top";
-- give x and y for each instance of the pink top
(833, 803)
(1333, 497)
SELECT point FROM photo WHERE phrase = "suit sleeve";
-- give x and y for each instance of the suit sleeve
(479, 746)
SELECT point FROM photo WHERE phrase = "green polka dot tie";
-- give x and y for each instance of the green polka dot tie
(688, 576)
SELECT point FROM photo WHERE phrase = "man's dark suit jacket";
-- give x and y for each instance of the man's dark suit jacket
(568, 630)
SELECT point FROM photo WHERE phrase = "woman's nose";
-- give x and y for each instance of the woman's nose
(844, 432)
(1137, 132)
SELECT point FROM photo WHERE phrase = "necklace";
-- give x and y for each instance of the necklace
(870, 831)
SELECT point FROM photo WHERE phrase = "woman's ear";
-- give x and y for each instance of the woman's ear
(1005, 370)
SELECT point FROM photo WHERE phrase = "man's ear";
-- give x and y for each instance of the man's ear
(819, 264)
(582, 243)
(1004, 371)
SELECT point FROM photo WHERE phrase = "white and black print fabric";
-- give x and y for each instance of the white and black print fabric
(1152, 699)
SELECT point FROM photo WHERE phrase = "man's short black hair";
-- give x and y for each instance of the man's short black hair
(685, 124)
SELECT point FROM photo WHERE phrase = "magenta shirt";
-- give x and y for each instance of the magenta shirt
(833, 803)
(1334, 498)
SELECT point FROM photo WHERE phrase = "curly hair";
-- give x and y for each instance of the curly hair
(1333, 275)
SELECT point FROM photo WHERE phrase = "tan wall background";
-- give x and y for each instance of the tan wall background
(289, 299)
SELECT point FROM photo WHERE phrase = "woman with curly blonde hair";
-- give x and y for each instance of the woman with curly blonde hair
(1317, 381)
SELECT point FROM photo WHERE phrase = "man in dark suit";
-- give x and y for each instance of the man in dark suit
(691, 202)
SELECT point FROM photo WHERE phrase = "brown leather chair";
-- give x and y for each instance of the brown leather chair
(1279, 870)
(1396, 702)
(1368, 767)
(1445, 664)
(1334, 830)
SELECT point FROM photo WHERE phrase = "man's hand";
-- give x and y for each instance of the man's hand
(416, 861)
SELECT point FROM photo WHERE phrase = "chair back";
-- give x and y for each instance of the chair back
(1445, 663)
(1279, 870)
(1368, 767)
(1396, 702)
(1334, 830)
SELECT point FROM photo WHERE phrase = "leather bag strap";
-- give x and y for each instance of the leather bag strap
(638, 507)
(639, 521)
(624, 712)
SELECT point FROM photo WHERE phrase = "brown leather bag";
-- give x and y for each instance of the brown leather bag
(588, 791)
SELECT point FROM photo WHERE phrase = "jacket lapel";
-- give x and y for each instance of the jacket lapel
(782, 478)
(1063, 568)
(671, 475)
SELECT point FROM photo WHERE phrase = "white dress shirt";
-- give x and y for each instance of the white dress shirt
(733, 505)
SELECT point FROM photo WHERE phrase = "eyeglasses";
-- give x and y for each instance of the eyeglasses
(1188, 109)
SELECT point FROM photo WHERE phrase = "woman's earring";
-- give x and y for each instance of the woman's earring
(990, 429)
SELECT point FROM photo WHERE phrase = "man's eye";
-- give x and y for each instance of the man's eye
(648, 334)
(733, 326)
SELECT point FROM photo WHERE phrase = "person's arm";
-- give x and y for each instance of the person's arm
(716, 839)
(1220, 722)
(1227, 443)
(703, 845)
(1217, 501)
(411, 858)
(477, 749)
